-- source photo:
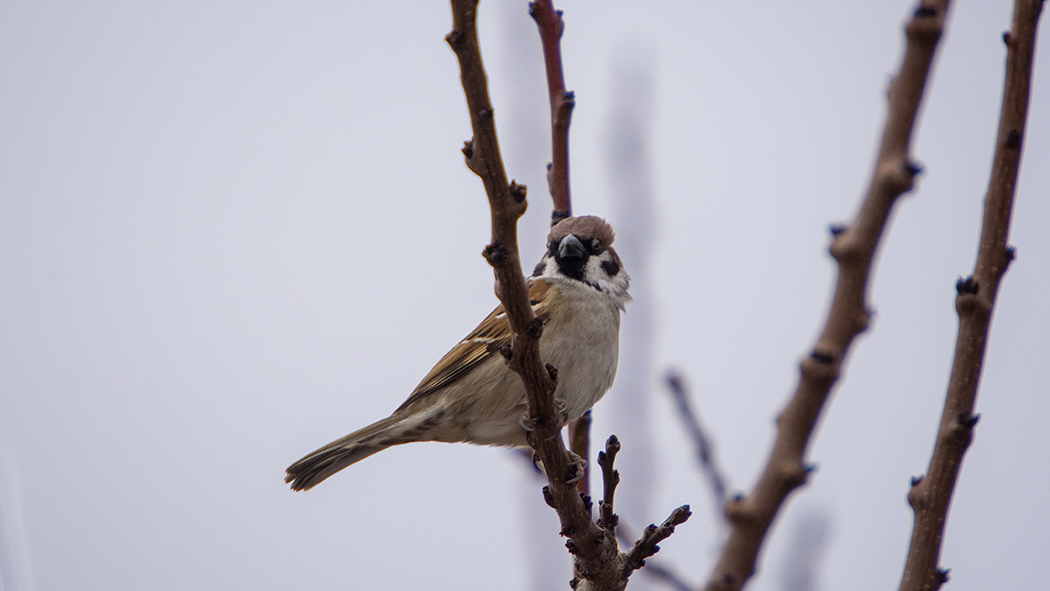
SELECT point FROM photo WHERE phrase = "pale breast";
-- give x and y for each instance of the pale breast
(582, 342)
(580, 339)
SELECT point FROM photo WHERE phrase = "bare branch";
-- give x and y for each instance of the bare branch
(931, 495)
(653, 535)
(704, 451)
(483, 158)
(551, 27)
(644, 548)
(507, 203)
(598, 559)
(611, 478)
(853, 247)
(654, 568)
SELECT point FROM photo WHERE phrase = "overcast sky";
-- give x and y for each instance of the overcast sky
(231, 232)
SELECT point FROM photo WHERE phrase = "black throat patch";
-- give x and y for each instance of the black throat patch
(572, 267)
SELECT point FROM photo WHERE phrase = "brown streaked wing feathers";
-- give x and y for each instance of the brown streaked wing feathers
(470, 352)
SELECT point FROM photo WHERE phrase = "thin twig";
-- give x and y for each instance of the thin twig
(853, 247)
(701, 440)
(655, 568)
(930, 496)
(562, 102)
(653, 535)
(646, 546)
(611, 478)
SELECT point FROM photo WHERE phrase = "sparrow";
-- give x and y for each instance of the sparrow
(578, 290)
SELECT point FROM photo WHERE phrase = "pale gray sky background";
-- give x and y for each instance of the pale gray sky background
(233, 231)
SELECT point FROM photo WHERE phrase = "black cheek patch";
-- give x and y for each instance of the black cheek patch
(540, 268)
(611, 267)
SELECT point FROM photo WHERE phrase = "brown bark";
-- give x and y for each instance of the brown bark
(930, 496)
(853, 247)
(562, 102)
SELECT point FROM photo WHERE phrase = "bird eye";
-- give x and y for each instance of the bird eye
(596, 246)
(551, 249)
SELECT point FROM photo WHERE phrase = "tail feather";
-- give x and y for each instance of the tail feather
(322, 463)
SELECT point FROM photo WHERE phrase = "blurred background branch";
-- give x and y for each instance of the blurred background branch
(707, 462)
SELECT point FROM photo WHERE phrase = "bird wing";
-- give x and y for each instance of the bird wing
(480, 345)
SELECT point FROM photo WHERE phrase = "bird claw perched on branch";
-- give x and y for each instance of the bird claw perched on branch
(577, 469)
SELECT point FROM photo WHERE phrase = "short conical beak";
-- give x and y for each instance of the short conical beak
(571, 248)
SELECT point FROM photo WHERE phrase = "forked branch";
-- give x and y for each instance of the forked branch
(598, 559)
(853, 247)
(930, 496)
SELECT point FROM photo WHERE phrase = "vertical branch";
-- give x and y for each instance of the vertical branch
(596, 552)
(853, 248)
(930, 496)
(551, 27)
(507, 204)
(610, 479)
(562, 102)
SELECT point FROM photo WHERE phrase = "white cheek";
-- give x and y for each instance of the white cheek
(595, 272)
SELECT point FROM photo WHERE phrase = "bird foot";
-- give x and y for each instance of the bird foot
(526, 422)
(563, 411)
(577, 469)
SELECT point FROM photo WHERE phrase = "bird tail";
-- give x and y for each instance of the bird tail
(322, 463)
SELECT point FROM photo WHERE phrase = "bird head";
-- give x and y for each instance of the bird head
(579, 249)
